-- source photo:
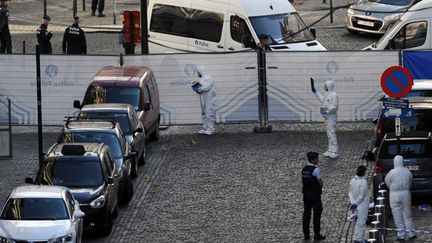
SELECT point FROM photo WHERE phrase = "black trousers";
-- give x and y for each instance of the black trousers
(5, 42)
(316, 206)
(95, 6)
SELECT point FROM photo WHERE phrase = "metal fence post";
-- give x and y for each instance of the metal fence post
(24, 47)
(74, 8)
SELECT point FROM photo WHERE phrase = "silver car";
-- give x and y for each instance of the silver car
(375, 17)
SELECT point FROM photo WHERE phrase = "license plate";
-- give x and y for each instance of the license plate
(366, 23)
(412, 167)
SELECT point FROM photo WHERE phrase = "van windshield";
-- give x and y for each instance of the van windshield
(282, 28)
(127, 95)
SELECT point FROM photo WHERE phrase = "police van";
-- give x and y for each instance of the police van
(226, 26)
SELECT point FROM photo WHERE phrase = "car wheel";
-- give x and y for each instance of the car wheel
(155, 134)
(134, 169)
(128, 191)
(115, 212)
(106, 230)
(141, 160)
(352, 32)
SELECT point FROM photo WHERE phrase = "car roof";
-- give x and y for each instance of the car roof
(414, 135)
(93, 125)
(129, 76)
(118, 107)
(38, 191)
(422, 85)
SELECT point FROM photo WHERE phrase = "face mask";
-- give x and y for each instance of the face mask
(325, 88)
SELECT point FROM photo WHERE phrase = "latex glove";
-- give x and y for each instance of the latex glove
(196, 88)
(313, 85)
(353, 207)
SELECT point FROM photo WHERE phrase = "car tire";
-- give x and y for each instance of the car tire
(128, 191)
(352, 31)
(141, 160)
(134, 169)
(106, 230)
(155, 134)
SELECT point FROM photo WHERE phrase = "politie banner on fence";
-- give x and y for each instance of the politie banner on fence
(65, 78)
(419, 63)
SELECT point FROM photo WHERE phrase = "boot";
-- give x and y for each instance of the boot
(93, 13)
(101, 14)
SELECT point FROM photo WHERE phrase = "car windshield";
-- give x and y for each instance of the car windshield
(409, 149)
(121, 118)
(419, 93)
(282, 28)
(394, 2)
(35, 209)
(94, 137)
(126, 95)
(72, 174)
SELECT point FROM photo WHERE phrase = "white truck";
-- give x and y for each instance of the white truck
(226, 26)
(411, 31)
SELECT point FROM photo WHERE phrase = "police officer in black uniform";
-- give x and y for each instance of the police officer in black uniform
(44, 37)
(312, 188)
(5, 36)
(74, 41)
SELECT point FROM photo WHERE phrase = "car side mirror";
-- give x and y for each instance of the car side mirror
(77, 104)
(369, 156)
(313, 31)
(147, 106)
(380, 98)
(29, 180)
(139, 129)
(130, 155)
(79, 214)
(375, 121)
(110, 180)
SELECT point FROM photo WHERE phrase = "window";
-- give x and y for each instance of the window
(147, 95)
(239, 28)
(121, 118)
(35, 209)
(115, 144)
(71, 203)
(410, 36)
(187, 22)
(127, 95)
(408, 149)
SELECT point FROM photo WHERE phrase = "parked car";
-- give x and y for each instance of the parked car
(131, 85)
(416, 148)
(89, 171)
(41, 214)
(420, 99)
(377, 16)
(108, 132)
(131, 126)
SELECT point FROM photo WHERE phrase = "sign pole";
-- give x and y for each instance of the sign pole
(39, 103)
(398, 134)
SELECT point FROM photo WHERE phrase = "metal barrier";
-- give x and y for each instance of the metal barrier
(5, 128)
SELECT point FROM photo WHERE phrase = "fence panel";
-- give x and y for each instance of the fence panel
(5, 128)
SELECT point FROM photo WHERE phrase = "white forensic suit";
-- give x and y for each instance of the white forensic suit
(207, 94)
(358, 195)
(398, 181)
(329, 109)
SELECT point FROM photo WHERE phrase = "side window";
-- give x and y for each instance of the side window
(147, 95)
(109, 162)
(239, 28)
(206, 25)
(71, 203)
(411, 35)
(155, 87)
(170, 20)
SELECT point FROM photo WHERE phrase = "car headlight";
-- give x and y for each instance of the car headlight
(98, 202)
(392, 17)
(6, 240)
(63, 239)
(350, 11)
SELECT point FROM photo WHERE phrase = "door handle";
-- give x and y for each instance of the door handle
(231, 49)
(219, 46)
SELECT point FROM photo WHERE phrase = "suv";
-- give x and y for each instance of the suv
(88, 170)
(131, 85)
(108, 132)
(416, 148)
(131, 126)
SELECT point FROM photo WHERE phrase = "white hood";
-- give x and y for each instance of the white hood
(34, 230)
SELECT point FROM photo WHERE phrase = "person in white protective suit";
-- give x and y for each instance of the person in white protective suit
(359, 200)
(399, 180)
(205, 88)
(328, 110)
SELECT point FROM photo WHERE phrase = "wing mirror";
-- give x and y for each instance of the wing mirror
(29, 180)
(375, 121)
(79, 214)
(110, 180)
(77, 104)
(380, 98)
(130, 155)
(313, 31)
(369, 156)
(139, 129)
(147, 106)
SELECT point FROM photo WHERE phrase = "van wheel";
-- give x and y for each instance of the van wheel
(128, 191)
(155, 135)
(134, 169)
(141, 160)
(106, 230)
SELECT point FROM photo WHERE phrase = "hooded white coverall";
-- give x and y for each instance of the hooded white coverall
(358, 195)
(330, 105)
(208, 99)
(398, 181)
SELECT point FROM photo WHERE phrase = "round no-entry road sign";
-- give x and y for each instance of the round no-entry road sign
(396, 81)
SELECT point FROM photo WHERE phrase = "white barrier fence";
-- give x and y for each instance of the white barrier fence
(65, 78)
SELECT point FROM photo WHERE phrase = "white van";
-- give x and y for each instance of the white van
(412, 31)
(223, 26)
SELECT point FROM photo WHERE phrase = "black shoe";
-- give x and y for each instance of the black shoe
(412, 237)
(93, 13)
(307, 237)
(101, 15)
(319, 237)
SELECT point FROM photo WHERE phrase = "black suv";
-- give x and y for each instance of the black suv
(108, 132)
(131, 126)
(88, 170)
(416, 149)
